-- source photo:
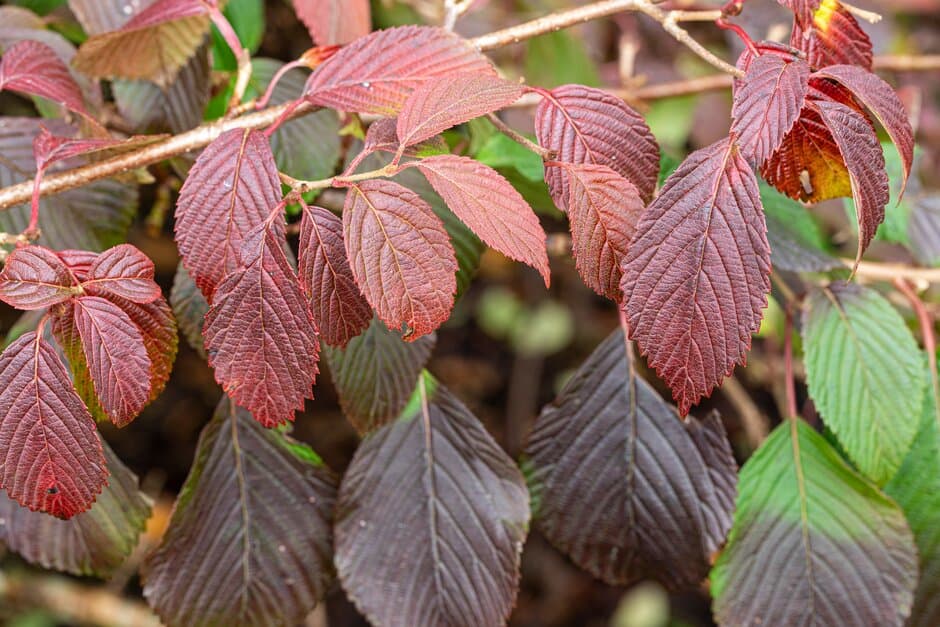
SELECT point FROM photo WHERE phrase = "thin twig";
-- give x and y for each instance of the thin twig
(869, 16)
(875, 271)
(519, 138)
(671, 26)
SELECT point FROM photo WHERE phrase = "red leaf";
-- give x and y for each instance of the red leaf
(383, 135)
(377, 73)
(334, 21)
(802, 9)
(697, 273)
(123, 271)
(49, 148)
(444, 102)
(78, 261)
(400, 255)
(35, 278)
(157, 326)
(260, 334)
(866, 165)
(834, 37)
(116, 357)
(51, 460)
(490, 206)
(230, 190)
(34, 68)
(883, 101)
(767, 102)
(586, 125)
(603, 209)
(339, 309)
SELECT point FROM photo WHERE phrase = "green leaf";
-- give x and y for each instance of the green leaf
(916, 488)
(247, 19)
(813, 542)
(499, 151)
(559, 58)
(670, 120)
(865, 374)
(898, 210)
(796, 242)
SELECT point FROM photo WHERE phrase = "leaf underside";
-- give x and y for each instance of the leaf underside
(834, 37)
(333, 22)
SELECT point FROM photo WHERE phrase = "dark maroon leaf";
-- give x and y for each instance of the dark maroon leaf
(400, 255)
(586, 125)
(259, 332)
(66, 336)
(376, 373)
(158, 327)
(116, 357)
(377, 73)
(230, 190)
(697, 272)
(883, 101)
(122, 271)
(340, 311)
(431, 518)
(441, 103)
(866, 165)
(249, 542)
(51, 456)
(833, 37)
(334, 21)
(767, 102)
(603, 209)
(33, 68)
(95, 542)
(34, 277)
(624, 487)
(490, 206)
(802, 9)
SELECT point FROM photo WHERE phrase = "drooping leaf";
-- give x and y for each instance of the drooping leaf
(249, 542)
(122, 271)
(33, 68)
(116, 356)
(834, 37)
(377, 73)
(34, 277)
(431, 518)
(443, 102)
(152, 45)
(865, 374)
(623, 486)
(796, 242)
(697, 272)
(66, 336)
(490, 206)
(190, 308)
(603, 209)
(95, 542)
(259, 331)
(866, 165)
(230, 190)
(802, 9)
(334, 21)
(883, 101)
(51, 456)
(400, 256)
(767, 102)
(586, 125)
(375, 374)
(916, 488)
(813, 543)
(339, 309)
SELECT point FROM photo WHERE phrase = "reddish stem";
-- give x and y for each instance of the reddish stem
(741, 33)
(263, 102)
(228, 33)
(283, 117)
(33, 226)
(926, 322)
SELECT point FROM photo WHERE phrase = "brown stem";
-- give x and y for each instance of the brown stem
(512, 134)
(788, 362)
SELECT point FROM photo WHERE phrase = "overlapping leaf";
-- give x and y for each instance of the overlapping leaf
(833, 37)
(152, 45)
(375, 374)
(377, 73)
(383, 135)
(586, 125)
(95, 542)
(230, 190)
(603, 209)
(400, 255)
(33, 68)
(101, 16)
(623, 486)
(249, 542)
(492, 208)
(431, 518)
(340, 311)
(51, 456)
(813, 543)
(443, 102)
(34, 277)
(802, 9)
(697, 272)
(190, 308)
(334, 21)
(767, 102)
(259, 331)
(865, 374)
(796, 242)
(122, 271)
